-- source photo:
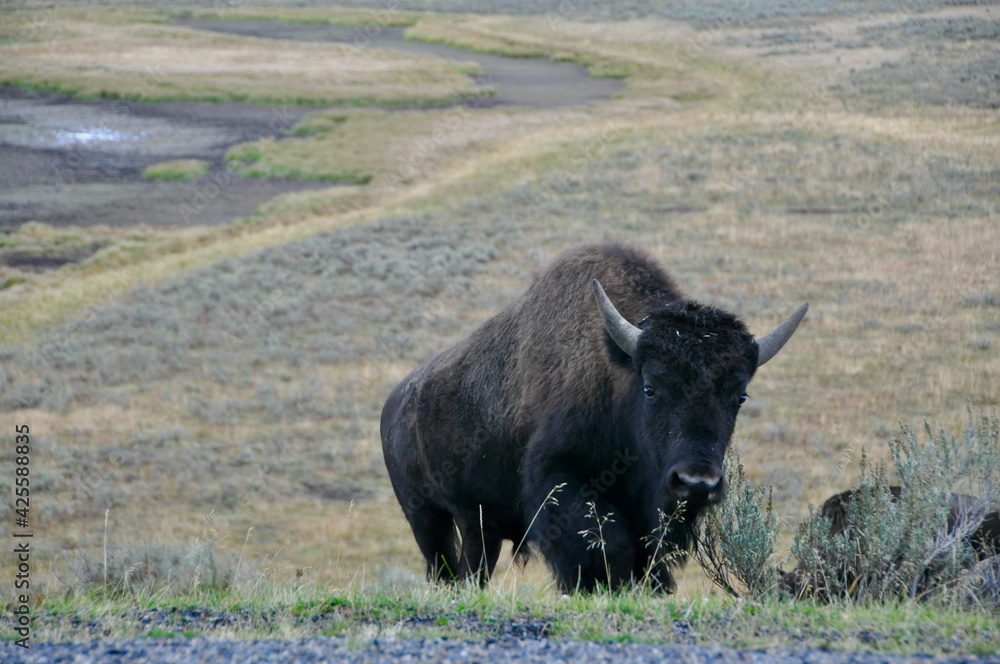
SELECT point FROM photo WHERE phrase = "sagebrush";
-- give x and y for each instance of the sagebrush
(919, 526)
(914, 541)
(736, 540)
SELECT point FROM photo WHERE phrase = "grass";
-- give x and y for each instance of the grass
(39, 238)
(367, 143)
(176, 169)
(201, 382)
(293, 609)
(367, 302)
(33, 243)
(365, 17)
(155, 61)
(653, 65)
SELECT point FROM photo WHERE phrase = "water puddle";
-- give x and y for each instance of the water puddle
(93, 135)
(66, 161)
(109, 128)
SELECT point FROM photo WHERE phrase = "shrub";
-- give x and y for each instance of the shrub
(920, 534)
(736, 539)
(913, 540)
(137, 567)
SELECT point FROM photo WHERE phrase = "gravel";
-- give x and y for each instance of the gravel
(436, 650)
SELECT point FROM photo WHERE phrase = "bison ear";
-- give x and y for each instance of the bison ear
(624, 333)
(769, 345)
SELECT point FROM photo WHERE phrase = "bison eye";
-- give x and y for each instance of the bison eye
(648, 391)
(744, 397)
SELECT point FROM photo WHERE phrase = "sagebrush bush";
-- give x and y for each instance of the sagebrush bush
(911, 540)
(736, 539)
(914, 533)
(139, 567)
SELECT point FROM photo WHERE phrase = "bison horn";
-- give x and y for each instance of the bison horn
(769, 345)
(625, 334)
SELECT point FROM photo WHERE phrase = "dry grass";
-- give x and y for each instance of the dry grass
(132, 55)
(754, 189)
(382, 17)
(366, 143)
(650, 52)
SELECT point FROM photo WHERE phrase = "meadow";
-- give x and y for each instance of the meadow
(205, 400)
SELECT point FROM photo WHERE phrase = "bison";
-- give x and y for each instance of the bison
(563, 413)
(984, 540)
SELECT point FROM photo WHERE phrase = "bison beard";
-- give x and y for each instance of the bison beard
(559, 411)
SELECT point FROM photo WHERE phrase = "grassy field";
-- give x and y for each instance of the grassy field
(67, 50)
(213, 394)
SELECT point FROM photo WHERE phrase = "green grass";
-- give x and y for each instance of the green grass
(651, 66)
(176, 169)
(422, 611)
(38, 238)
(12, 281)
(344, 145)
(353, 101)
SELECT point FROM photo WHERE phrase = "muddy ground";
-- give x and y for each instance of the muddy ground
(68, 162)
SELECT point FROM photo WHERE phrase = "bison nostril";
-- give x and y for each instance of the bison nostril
(696, 487)
(709, 481)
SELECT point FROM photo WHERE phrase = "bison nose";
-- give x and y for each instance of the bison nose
(698, 487)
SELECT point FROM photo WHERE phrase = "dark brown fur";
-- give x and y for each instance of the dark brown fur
(539, 396)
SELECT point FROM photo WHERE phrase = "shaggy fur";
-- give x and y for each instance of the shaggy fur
(539, 397)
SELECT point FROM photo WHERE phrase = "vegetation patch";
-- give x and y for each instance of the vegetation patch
(286, 610)
(916, 540)
(362, 17)
(651, 65)
(43, 239)
(153, 61)
(35, 247)
(960, 75)
(176, 169)
(351, 146)
(928, 531)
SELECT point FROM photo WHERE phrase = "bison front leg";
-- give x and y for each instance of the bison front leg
(584, 538)
(480, 551)
(659, 576)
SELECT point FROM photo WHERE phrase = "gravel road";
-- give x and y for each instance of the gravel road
(436, 650)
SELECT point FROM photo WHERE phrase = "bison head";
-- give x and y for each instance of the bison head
(693, 364)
